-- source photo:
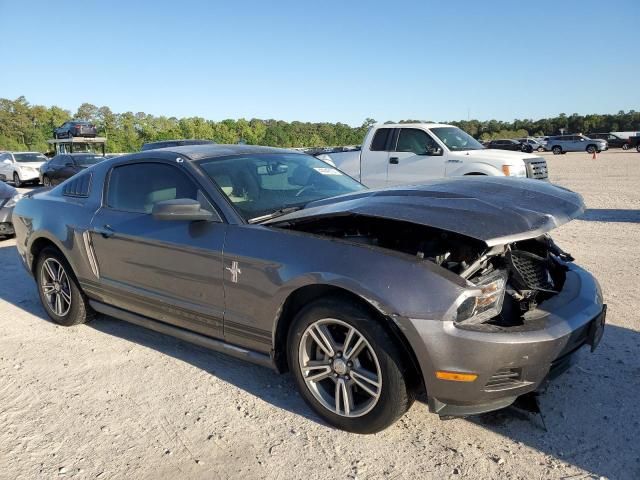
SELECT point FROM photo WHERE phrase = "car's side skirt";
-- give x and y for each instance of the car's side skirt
(186, 335)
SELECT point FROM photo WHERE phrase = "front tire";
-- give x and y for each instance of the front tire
(60, 294)
(347, 367)
(625, 146)
(16, 180)
(46, 181)
(557, 150)
(591, 149)
(541, 149)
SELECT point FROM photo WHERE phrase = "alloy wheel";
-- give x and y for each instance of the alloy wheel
(340, 368)
(55, 287)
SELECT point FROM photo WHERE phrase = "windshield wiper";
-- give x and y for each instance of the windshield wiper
(277, 213)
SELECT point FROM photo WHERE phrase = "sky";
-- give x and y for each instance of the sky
(328, 60)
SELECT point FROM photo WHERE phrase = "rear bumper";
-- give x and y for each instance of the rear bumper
(508, 363)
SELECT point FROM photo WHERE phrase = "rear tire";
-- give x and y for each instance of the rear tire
(373, 381)
(46, 181)
(557, 150)
(59, 292)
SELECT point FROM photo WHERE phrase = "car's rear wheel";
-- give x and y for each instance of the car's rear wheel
(347, 367)
(625, 146)
(59, 291)
(591, 149)
(557, 150)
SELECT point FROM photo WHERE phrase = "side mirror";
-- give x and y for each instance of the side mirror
(185, 209)
(433, 151)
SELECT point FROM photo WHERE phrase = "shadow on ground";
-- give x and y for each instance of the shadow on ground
(590, 412)
(611, 215)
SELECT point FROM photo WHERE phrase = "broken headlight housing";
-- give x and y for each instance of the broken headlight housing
(484, 300)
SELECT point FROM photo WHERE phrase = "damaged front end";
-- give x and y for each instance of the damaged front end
(509, 282)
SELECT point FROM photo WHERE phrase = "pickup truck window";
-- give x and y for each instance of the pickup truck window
(416, 141)
(456, 139)
(379, 143)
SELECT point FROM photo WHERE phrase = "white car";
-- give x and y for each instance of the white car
(21, 167)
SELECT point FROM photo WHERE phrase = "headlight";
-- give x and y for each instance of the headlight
(514, 170)
(13, 200)
(485, 301)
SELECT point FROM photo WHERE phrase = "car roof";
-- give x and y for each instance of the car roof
(413, 125)
(198, 152)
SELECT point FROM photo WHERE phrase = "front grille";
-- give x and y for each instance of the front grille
(537, 168)
(504, 378)
(532, 270)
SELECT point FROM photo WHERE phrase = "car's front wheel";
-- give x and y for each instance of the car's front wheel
(347, 366)
(46, 181)
(541, 149)
(625, 146)
(16, 180)
(591, 149)
(59, 291)
(557, 150)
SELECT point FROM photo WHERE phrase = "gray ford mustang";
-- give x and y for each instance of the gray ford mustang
(366, 296)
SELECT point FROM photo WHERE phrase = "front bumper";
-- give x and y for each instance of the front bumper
(508, 363)
(29, 175)
(6, 227)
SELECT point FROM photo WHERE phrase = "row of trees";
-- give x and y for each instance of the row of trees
(28, 127)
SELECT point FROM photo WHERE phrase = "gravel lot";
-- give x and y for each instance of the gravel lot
(112, 400)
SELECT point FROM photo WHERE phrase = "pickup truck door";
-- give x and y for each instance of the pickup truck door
(169, 270)
(374, 159)
(416, 157)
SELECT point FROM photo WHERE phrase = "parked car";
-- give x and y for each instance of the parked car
(634, 141)
(75, 128)
(510, 144)
(613, 141)
(407, 153)
(174, 143)
(575, 143)
(367, 296)
(534, 143)
(64, 166)
(21, 167)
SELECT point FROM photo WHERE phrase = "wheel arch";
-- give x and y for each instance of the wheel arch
(302, 296)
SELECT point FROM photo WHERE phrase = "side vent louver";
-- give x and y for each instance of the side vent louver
(79, 186)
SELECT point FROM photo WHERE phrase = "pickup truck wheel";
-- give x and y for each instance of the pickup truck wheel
(347, 367)
(625, 146)
(591, 149)
(557, 150)
(59, 291)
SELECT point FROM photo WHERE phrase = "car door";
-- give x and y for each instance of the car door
(416, 157)
(374, 161)
(167, 270)
(55, 166)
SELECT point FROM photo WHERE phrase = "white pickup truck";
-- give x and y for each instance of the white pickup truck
(396, 154)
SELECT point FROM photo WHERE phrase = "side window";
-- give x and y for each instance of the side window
(137, 187)
(414, 140)
(379, 142)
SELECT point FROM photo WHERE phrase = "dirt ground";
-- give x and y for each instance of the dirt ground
(111, 400)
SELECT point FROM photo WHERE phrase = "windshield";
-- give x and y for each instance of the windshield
(456, 139)
(263, 184)
(29, 157)
(86, 160)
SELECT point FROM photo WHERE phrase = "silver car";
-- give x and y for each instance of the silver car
(575, 143)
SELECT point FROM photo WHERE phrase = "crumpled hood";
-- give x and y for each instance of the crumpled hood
(494, 154)
(495, 210)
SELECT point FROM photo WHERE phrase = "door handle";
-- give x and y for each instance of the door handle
(106, 231)
(394, 160)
